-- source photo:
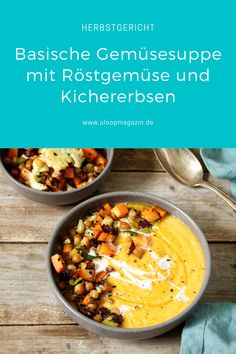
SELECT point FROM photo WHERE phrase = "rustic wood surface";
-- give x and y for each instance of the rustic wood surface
(30, 319)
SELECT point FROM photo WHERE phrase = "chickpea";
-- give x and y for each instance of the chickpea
(88, 285)
(99, 290)
(88, 168)
(94, 294)
(97, 318)
(77, 239)
(79, 289)
(91, 179)
(138, 252)
(107, 221)
(77, 258)
(92, 306)
(87, 222)
(98, 169)
(71, 266)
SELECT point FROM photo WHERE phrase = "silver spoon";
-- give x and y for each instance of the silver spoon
(183, 166)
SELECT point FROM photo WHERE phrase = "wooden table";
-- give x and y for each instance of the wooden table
(32, 321)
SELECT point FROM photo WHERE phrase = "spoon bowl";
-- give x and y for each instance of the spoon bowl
(181, 164)
(184, 167)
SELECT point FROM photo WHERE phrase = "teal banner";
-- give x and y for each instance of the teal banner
(117, 74)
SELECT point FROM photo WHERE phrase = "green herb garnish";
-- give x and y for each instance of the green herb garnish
(132, 233)
(110, 323)
(89, 257)
(74, 282)
(146, 230)
(19, 160)
(85, 255)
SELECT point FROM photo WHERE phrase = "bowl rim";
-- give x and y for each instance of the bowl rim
(45, 193)
(90, 322)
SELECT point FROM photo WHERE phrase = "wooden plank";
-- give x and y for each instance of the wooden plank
(26, 297)
(22, 220)
(73, 339)
(141, 160)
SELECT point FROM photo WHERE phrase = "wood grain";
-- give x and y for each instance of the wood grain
(26, 297)
(141, 160)
(23, 220)
(73, 339)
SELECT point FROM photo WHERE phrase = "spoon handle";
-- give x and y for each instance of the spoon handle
(221, 194)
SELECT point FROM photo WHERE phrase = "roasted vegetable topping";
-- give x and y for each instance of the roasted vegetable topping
(55, 169)
(93, 238)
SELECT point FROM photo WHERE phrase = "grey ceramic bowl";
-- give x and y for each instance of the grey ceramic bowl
(60, 198)
(96, 202)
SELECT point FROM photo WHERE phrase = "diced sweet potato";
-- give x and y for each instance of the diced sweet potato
(78, 183)
(67, 248)
(97, 227)
(107, 207)
(102, 213)
(86, 300)
(100, 161)
(90, 154)
(106, 237)
(69, 172)
(101, 276)
(98, 220)
(96, 232)
(12, 153)
(160, 211)
(103, 236)
(61, 179)
(110, 238)
(119, 211)
(58, 263)
(86, 274)
(62, 184)
(105, 210)
(149, 213)
(107, 249)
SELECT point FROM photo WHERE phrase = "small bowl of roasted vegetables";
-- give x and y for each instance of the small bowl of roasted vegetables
(56, 176)
(121, 265)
